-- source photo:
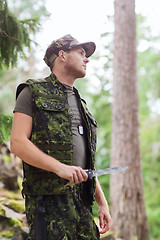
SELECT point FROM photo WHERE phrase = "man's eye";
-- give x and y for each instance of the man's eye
(82, 53)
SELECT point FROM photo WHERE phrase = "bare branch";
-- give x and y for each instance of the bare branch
(7, 36)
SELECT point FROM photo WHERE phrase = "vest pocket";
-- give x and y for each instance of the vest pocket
(91, 118)
(49, 104)
(93, 127)
(50, 121)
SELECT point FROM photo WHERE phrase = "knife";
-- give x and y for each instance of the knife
(99, 172)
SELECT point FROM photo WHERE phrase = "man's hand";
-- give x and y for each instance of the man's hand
(73, 174)
(103, 212)
(104, 219)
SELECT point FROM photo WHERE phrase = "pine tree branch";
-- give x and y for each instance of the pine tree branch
(7, 36)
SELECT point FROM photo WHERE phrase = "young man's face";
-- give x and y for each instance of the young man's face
(76, 62)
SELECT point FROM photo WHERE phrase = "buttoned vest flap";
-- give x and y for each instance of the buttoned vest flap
(48, 104)
(93, 128)
(93, 121)
(89, 115)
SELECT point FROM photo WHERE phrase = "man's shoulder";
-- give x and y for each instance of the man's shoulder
(28, 83)
(36, 81)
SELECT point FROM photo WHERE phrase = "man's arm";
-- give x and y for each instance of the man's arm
(29, 153)
(103, 212)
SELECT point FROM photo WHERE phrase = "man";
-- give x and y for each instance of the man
(55, 136)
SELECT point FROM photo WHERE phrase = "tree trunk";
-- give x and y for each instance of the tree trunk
(126, 191)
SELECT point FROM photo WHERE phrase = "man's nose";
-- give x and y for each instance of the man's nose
(86, 60)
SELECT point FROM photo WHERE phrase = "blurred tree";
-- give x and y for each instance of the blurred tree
(126, 191)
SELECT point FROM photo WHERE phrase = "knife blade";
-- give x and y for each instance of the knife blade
(99, 172)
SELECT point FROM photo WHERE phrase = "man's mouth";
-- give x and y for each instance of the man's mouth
(85, 67)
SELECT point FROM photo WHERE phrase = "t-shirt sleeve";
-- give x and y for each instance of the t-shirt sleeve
(24, 102)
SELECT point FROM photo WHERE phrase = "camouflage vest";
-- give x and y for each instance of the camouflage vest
(51, 132)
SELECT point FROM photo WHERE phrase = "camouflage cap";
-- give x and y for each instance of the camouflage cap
(65, 43)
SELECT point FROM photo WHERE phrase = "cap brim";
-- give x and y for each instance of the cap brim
(89, 47)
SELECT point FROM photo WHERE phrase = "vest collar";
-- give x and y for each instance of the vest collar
(54, 80)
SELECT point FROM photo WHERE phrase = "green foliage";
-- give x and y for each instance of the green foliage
(31, 11)
(2, 211)
(14, 35)
(7, 234)
(5, 128)
(14, 222)
(17, 205)
(6, 159)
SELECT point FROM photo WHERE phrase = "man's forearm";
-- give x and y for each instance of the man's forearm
(99, 196)
(29, 153)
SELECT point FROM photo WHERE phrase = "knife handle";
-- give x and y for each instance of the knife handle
(90, 173)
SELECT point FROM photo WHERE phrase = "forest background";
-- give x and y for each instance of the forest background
(97, 90)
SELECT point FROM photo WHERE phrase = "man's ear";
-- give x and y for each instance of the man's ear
(62, 55)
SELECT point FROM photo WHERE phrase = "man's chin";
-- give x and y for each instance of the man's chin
(83, 74)
(80, 74)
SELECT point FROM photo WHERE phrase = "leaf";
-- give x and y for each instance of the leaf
(5, 127)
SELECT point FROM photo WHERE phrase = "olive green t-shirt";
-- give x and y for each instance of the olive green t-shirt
(24, 105)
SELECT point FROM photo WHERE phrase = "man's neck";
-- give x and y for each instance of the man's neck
(64, 78)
